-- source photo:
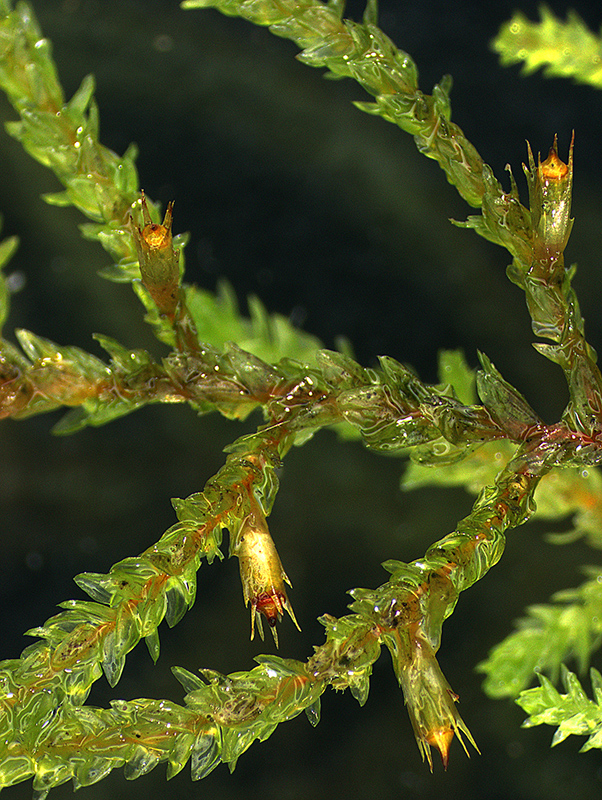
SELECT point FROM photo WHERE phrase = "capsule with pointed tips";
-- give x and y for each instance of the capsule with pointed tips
(261, 574)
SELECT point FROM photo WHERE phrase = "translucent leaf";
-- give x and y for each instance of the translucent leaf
(51, 773)
(36, 347)
(94, 413)
(313, 712)
(99, 586)
(113, 662)
(85, 611)
(60, 199)
(236, 741)
(337, 46)
(91, 771)
(189, 681)
(127, 182)
(154, 645)
(77, 684)
(141, 762)
(507, 406)
(283, 667)
(205, 756)
(15, 769)
(177, 605)
(117, 242)
(179, 754)
(125, 272)
(360, 687)
(341, 371)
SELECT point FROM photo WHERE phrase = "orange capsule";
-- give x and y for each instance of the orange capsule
(159, 262)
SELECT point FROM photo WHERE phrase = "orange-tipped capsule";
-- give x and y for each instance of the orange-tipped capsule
(441, 739)
(261, 574)
(430, 701)
(159, 262)
(550, 192)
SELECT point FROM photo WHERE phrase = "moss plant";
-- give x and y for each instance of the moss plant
(471, 428)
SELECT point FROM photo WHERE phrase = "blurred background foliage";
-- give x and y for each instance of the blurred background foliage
(332, 218)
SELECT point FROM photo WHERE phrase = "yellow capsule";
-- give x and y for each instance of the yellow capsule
(261, 574)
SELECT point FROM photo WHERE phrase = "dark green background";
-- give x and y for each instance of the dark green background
(332, 217)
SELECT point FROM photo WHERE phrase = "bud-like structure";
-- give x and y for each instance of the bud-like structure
(429, 698)
(159, 262)
(261, 574)
(550, 191)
